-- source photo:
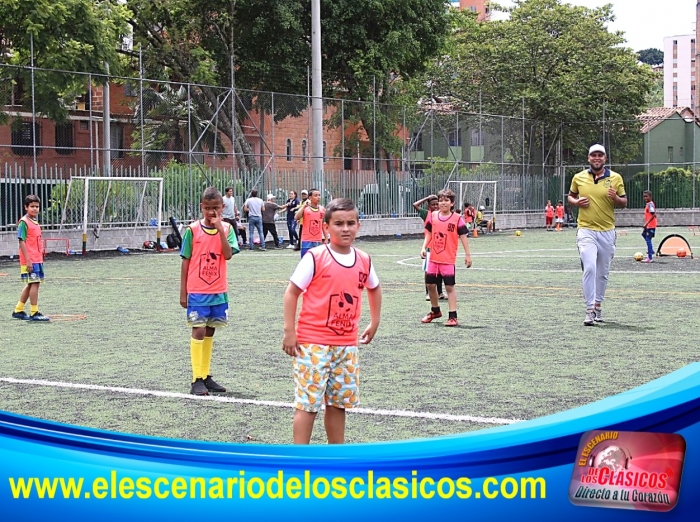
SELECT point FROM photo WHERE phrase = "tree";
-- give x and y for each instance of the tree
(554, 63)
(66, 35)
(651, 56)
(366, 44)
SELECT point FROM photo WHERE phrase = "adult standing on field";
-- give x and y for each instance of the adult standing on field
(596, 191)
(255, 206)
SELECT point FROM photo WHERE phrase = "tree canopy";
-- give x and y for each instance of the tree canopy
(365, 43)
(552, 62)
(651, 56)
(66, 35)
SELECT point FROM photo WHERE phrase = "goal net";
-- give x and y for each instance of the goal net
(478, 193)
(98, 202)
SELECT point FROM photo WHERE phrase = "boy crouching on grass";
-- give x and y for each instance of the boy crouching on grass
(324, 342)
(444, 229)
(206, 246)
(31, 260)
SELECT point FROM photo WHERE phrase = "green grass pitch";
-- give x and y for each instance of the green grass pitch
(521, 350)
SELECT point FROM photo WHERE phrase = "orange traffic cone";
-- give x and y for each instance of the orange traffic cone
(558, 227)
(475, 232)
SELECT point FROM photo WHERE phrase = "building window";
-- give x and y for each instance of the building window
(303, 150)
(347, 163)
(64, 138)
(289, 150)
(680, 152)
(417, 141)
(477, 138)
(84, 125)
(325, 156)
(15, 94)
(116, 137)
(23, 138)
(455, 138)
(670, 154)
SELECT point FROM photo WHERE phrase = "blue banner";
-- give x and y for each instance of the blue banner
(51, 471)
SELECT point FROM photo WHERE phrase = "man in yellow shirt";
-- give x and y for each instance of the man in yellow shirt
(596, 191)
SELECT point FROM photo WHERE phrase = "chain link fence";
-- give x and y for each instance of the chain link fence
(382, 156)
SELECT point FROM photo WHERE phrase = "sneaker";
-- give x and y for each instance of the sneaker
(290, 246)
(431, 315)
(213, 386)
(443, 296)
(647, 260)
(199, 388)
(263, 249)
(590, 318)
(452, 321)
(20, 315)
(39, 317)
(427, 297)
(598, 315)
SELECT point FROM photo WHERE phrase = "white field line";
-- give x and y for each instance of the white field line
(274, 404)
(417, 262)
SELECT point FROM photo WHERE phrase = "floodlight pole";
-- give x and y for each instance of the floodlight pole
(316, 97)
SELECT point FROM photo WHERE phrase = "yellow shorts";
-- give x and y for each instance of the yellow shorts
(325, 374)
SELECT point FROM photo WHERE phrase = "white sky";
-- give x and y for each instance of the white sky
(645, 22)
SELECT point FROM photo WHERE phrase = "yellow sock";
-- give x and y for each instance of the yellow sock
(34, 309)
(207, 348)
(20, 307)
(196, 357)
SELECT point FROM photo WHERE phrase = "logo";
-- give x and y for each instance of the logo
(628, 470)
(362, 280)
(342, 311)
(208, 268)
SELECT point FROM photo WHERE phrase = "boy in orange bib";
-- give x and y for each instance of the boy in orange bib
(444, 229)
(324, 340)
(31, 260)
(206, 246)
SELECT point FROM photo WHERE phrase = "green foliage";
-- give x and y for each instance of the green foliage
(436, 173)
(67, 35)
(552, 61)
(671, 188)
(651, 56)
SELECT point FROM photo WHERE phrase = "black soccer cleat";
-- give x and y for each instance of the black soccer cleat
(199, 388)
(212, 385)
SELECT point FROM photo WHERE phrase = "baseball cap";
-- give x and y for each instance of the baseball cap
(305, 192)
(270, 196)
(596, 148)
(482, 207)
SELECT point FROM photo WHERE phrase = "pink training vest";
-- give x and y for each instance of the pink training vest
(444, 238)
(33, 243)
(207, 271)
(313, 224)
(332, 304)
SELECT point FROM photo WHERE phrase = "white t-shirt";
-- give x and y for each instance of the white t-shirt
(229, 208)
(304, 272)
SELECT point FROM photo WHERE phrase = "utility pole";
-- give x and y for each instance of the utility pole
(316, 98)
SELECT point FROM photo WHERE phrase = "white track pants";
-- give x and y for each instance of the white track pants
(597, 250)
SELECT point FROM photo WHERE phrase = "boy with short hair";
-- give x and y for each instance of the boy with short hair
(31, 260)
(548, 216)
(444, 229)
(650, 222)
(324, 341)
(312, 213)
(206, 246)
(432, 201)
(559, 211)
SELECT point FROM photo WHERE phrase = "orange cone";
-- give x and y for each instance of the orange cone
(475, 232)
(558, 227)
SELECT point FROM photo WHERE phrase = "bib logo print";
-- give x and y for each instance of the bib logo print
(314, 227)
(439, 242)
(208, 268)
(342, 311)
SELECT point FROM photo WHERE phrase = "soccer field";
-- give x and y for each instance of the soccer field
(116, 356)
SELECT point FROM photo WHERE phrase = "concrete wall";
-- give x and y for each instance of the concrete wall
(133, 238)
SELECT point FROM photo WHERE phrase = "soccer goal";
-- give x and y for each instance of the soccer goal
(478, 193)
(99, 202)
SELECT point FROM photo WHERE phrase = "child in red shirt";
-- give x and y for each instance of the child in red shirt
(548, 216)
